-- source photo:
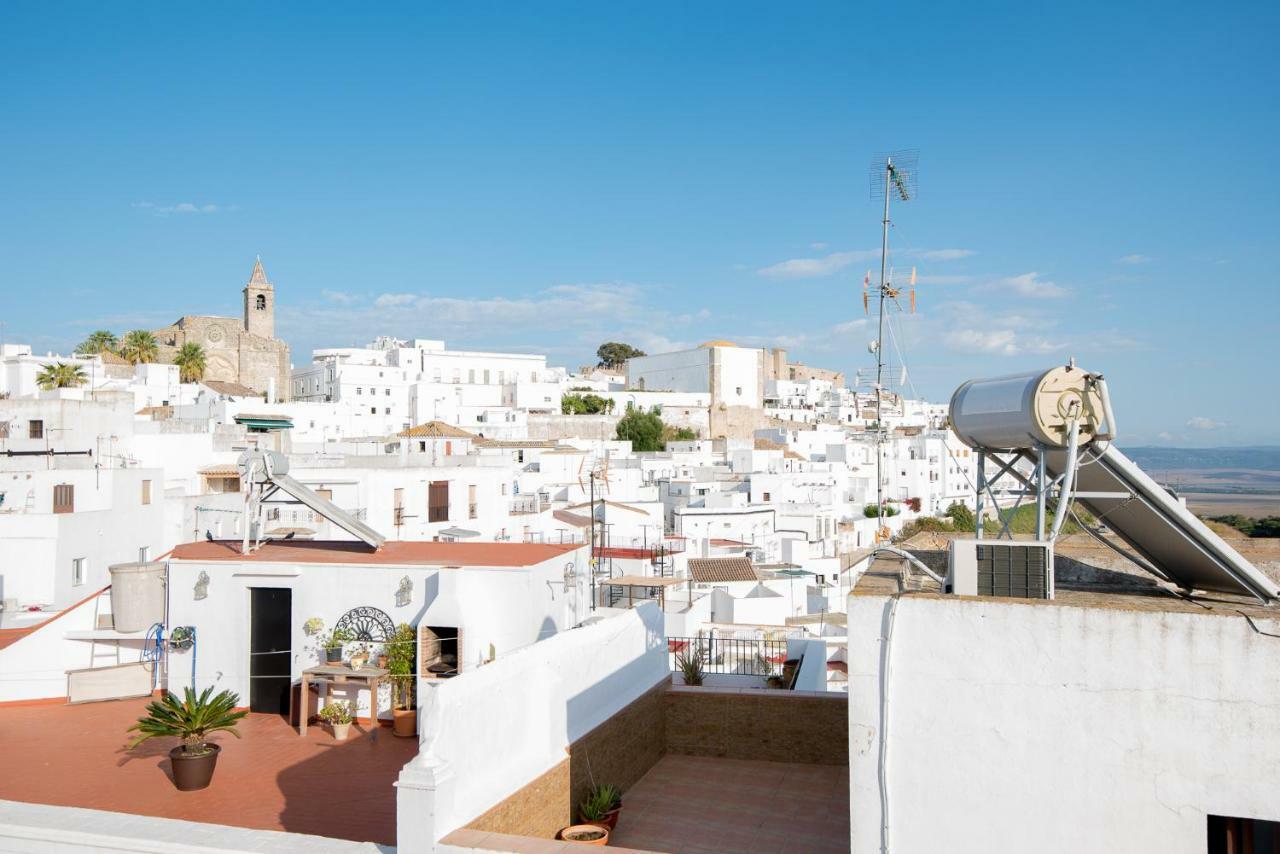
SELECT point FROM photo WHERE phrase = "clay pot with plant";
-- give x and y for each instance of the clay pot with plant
(359, 656)
(402, 660)
(602, 806)
(193, 719)
(587, 834)
(334, 645)
(338, 715)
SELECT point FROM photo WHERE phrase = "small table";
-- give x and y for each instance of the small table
(339, 674)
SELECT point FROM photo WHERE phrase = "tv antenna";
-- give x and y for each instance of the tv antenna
(893, 175)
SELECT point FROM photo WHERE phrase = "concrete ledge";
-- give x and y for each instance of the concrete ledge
(762, 693)
(32, 828)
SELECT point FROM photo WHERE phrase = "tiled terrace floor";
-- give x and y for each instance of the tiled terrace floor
(698, 805)
(270, 779)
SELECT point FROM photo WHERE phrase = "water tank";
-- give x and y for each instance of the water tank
(1023, 410)
(137, 596)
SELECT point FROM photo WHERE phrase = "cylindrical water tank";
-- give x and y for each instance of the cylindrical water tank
(1025, 410)
(137, 596)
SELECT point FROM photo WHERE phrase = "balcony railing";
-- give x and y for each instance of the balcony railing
(731, 655)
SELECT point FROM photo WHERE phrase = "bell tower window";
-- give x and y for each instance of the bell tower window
(260, 302)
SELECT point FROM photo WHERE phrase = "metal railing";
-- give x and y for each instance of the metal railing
(730, 655)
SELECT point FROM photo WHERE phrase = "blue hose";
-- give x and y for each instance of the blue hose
(153, 650)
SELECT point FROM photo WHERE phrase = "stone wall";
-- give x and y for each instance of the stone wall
(769, 725)
(539, 809)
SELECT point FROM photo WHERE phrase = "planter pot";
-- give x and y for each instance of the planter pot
(192, 773)
(359, 661)
(404, 722)
(382, 662)
(340, 731)
(586, 834)
(789, 670)
(610, 819)
(333, 655)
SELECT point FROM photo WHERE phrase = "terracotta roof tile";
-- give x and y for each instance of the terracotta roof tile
(436, 430)
(713, 570)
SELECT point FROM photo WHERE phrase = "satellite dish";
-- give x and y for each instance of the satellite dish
(873, 346)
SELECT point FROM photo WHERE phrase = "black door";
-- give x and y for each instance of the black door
(270, 656)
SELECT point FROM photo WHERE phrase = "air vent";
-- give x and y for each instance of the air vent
(1000, 568)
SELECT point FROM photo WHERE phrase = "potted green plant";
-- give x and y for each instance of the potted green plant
(359, 656)
(193, 719)
(338, 715)
(587, 834)
(690, 667)
(402, 660)
(602, 806)
(334, 644)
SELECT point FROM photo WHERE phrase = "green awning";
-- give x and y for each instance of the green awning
(265, 422)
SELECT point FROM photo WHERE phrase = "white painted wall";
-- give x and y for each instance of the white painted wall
(506, 608)
(1022, 727)
(489, 732)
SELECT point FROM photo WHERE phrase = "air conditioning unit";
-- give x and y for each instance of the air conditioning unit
(1022, 570)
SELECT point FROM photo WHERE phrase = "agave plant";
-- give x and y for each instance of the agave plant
(690, 668)
(600, 801)
(193, 719)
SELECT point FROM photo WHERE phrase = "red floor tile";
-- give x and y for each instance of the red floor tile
(269, 779)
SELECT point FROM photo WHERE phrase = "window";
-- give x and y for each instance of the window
(35, 429)
(146, 492)
(4, 429)
(438, 501)
(471, 501)
(144, 554)
(388, 410)
(359, 390)
(388, 391)
(738, 391)
(766, 496)
(471, 376)
(373, 410)
(64, 498)
(486, 376)
(77, 571)
(1242, 835)
(261, 302)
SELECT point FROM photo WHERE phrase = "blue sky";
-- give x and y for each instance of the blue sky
(1097, 182)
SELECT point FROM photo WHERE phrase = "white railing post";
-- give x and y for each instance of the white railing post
(424, 794)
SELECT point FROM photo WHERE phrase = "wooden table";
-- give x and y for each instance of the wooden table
(339, 674)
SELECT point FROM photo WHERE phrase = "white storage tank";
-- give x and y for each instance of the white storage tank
(1021, 411)
(137, 596)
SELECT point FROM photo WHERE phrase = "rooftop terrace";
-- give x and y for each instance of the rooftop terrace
(270, 779)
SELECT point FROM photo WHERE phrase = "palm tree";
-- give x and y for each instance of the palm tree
(97, 342)
(191, 362)
(60, 375)
(139, 346)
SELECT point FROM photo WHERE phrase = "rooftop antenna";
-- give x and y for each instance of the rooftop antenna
(893, 174)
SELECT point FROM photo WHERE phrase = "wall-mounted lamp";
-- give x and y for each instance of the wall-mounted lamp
(202, 585)
(404, 593)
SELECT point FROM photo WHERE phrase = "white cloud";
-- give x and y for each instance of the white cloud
(1032, 286)
(1165, 436)
(181, 208)
(341, 297)
(849, 326)
(1202, 423)
(818, 246)
(1003, 342)
(393, 300)
(944, 254)
(808, 268)
(1134, 259)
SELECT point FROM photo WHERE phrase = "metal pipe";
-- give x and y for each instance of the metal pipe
(912, 559)
(1107, 413)
(1068, 479)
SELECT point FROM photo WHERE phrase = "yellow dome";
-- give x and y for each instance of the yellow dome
(717, 344)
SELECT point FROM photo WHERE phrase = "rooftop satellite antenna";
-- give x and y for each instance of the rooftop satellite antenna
(894, 175)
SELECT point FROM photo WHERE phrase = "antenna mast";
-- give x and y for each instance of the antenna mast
(892, 174)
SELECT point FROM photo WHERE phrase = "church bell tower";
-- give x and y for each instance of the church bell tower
(259, 304)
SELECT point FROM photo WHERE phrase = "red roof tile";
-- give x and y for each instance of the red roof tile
(391, 554)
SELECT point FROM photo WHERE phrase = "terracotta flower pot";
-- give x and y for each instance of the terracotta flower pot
(404, 722)
(192, 773)
(359, 661)
(340, 731)
(586, 834)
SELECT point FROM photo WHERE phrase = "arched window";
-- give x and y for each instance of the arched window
(261, 302)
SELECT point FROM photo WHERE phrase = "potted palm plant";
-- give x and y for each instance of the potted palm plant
(193, 719)
(602, 806)
(402, 658)
(338, 715)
